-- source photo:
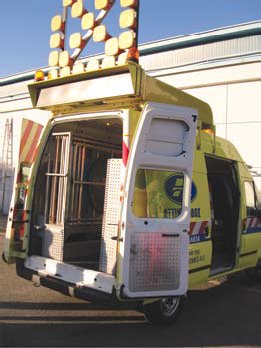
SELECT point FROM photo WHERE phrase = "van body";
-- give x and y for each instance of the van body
(128, 196)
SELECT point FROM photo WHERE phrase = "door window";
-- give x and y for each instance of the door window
(250, 198)
(158, 194)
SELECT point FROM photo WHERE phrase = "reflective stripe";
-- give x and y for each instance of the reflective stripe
(125, 153)
(253, 224)
(198, 227)
(31, 132)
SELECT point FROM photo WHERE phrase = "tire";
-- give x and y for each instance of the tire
(163, 312)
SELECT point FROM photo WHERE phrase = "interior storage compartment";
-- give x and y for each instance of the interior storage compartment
(68, 206)
(224, 197)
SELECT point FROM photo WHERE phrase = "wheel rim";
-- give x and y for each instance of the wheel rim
(169, 305)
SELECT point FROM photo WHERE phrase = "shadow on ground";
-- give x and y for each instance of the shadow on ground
(229, 315)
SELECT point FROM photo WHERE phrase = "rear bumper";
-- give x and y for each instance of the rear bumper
(66, 288)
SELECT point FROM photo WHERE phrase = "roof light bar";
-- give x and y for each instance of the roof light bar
(76, 41)
(78, 68)
(67, 3)
(54, 58)
(78, 9)
(129, 3)
(93, 65)
(126, 40)
(112, 47)
(108, 62)
(100, 34)
(65, 59)
(65, 71)
(53, 74)
(56, 41)
(57, 23)
(103, 4)
(122, 58)
(88, 21)
(128, 19)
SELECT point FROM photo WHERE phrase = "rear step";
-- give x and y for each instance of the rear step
(66, 288)
(78, 276)
(70, 289)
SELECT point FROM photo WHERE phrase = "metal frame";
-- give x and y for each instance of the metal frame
(81, 147)
(56, 185)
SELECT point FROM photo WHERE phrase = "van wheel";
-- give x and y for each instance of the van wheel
(163, 312)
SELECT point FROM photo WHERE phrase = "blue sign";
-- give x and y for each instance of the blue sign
(174, 188)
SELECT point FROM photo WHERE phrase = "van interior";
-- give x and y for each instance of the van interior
(68, 213)
(224, 199)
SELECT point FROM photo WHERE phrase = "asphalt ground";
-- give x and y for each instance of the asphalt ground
(30, 316)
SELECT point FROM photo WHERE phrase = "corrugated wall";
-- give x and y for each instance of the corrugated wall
(203, 53)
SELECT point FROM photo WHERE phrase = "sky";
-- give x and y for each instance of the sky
(25, 25)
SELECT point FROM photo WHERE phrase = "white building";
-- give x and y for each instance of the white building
(221, 67)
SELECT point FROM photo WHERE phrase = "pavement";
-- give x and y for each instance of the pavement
(30, 316)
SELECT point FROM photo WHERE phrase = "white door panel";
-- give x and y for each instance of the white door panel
(154, 248)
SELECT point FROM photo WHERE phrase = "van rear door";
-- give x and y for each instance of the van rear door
(18, 216)
(153, 240)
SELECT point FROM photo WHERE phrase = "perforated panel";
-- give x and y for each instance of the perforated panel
(154, 262)
(110, 216)
(53, 242)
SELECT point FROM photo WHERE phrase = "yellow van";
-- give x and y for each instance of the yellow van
(127, 195)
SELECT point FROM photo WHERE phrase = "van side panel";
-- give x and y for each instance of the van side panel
(200, 248)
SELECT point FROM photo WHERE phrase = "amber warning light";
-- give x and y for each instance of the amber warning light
(39, 75)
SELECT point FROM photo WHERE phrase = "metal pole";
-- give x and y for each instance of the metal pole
(81, 179)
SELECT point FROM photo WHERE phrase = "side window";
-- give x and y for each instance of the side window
(158, 194)
(250, 198)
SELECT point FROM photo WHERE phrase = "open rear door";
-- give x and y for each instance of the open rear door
(153, 259)
(18, 216)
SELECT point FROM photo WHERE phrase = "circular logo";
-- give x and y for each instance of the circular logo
(174, 188)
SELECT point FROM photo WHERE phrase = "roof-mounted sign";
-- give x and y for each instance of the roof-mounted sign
(92, 13)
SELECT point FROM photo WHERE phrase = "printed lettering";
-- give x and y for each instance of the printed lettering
(195, 213)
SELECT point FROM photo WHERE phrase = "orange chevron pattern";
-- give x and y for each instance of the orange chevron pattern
(30, 135)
